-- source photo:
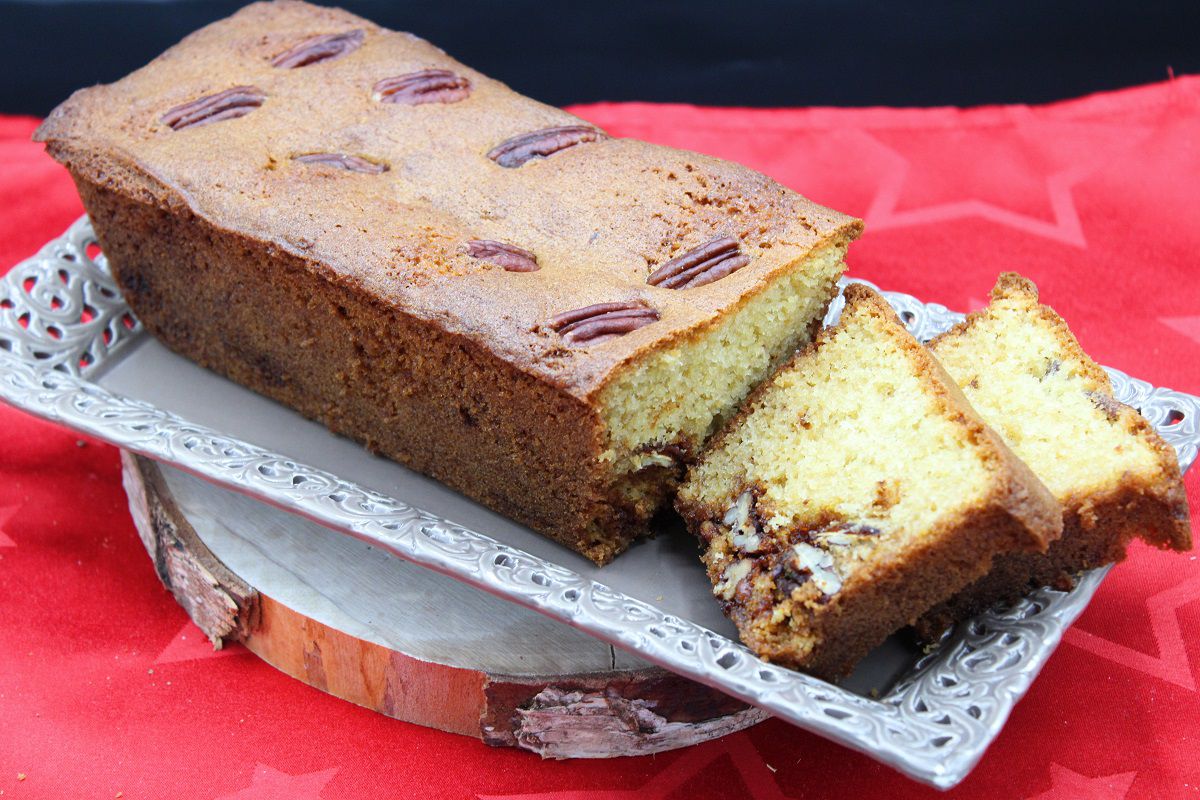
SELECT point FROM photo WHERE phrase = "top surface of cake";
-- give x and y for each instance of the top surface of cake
(1024, 371)
(856, 489)
(440, 191)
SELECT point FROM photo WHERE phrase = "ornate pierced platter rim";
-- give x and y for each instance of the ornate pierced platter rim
(61, 317)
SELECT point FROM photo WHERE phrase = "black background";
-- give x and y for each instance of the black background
(755, 53)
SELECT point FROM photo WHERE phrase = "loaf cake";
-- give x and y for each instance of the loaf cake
(854, 490)
(1116, 479)
(492, 291)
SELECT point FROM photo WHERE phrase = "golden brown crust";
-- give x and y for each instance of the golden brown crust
(1018, 514)
(1098, 527)
(1092, 537)
(600, 217)
(353, 294)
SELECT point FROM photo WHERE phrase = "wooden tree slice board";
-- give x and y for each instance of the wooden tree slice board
(395, 637)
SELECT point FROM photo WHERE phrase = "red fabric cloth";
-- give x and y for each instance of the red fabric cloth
(106, 688)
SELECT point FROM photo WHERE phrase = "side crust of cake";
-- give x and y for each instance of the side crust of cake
(877, 578)
(406, 389)
(1099, 520)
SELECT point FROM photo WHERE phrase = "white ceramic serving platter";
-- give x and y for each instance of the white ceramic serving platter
(71, 352)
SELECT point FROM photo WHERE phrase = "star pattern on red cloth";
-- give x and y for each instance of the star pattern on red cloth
(1188, 326)
(939, 175)
(272, 784)
(1066, 784)
(89, 606)
(757, 777)
(6, 516)
(191, 644)
(1172, 663)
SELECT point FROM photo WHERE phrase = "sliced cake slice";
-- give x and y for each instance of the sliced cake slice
(856, 489)
(1024, 371)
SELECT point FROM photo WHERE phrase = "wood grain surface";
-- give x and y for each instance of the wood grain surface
(378, 631)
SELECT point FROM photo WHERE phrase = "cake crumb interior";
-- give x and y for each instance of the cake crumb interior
(647, 408)
(851, 434)
(1030, 387)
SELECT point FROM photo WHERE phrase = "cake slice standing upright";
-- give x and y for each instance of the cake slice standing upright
(856, 489)
(1025, 372)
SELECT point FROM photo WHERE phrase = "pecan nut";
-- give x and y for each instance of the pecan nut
(804, 563)
(426, 86)
(744, 533)
(318, 49)
(229, 104)
(669, 454)
(1110, 406)
(539, 144)
(704, 264)
(731, 577)
(342, 161)
(510, 257)
(846, 535)
(602, 320)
